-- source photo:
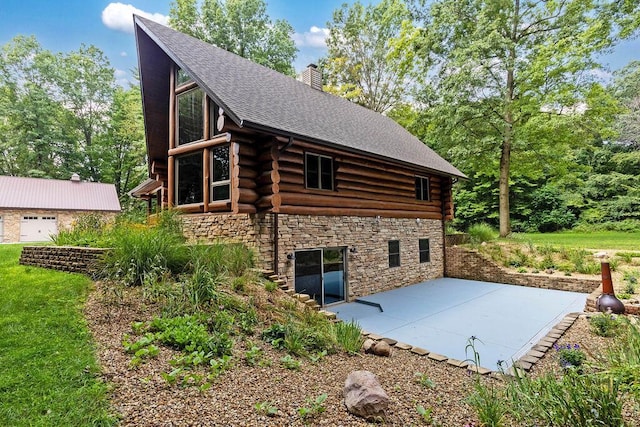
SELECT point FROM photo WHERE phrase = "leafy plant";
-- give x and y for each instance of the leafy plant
(423, 379)
(489, 404)
(266, 408)
(425, 413)
(290, 363)
(253, 356)
(604, 325)
(570, 356)
(314, 407)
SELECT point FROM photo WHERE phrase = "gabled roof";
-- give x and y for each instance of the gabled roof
(257, 97)
(53, 194)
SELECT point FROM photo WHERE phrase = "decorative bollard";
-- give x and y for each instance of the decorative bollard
(607, 302)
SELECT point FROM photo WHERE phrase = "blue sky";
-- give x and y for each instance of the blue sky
(63, 26)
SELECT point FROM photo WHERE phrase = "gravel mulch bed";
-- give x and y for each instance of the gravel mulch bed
(143, 398)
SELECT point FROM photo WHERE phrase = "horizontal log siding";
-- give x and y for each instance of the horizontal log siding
(363, 186)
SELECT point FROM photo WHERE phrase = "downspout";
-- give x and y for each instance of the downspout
(444, 233)
(276, 221)
(275, 243)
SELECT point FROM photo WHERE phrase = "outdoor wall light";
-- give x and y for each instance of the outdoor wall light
(291, 256)
(418, 220)
(353, 250)
(377, 219)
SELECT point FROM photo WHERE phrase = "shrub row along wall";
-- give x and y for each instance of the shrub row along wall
(463, 263)
(64, 258)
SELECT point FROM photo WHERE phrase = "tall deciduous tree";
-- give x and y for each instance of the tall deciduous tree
(369, 58)
(239, 26)
(504, 68)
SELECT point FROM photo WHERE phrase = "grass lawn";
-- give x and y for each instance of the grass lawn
(586, 240)
(48, 371)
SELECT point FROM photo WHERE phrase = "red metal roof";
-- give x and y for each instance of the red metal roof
(38, 193)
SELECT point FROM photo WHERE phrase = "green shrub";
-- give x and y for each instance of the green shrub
(570, 355)
(482, 233)
(605, 325)
(488, 404)
(86, 230)
(348, 335)
(190, 333)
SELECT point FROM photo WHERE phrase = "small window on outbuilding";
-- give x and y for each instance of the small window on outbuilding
(394, 253)
(422, 188)
(425, 255)
(318, 171)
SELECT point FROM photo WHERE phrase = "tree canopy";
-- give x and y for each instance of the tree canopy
(239, 26)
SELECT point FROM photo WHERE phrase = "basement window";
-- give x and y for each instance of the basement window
(189, 179)
(422, 188)
(394, 253)
(190, 116)
(220, 176)
(423, 248)
(318, 171)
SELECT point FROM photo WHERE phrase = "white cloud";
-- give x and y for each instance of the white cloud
(120, 73)
(119, 17)
(123, 54)
(315, 37)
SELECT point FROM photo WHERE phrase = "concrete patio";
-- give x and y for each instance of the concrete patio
(441, 315)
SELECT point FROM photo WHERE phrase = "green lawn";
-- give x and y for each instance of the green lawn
(587, 240)
(47, 363)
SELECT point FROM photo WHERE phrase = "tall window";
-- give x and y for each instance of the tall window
(220, 177)
(422, 188)
(318, 172)
(394, 253)
(189, 179)
(190, 116)
(182, 77)
(423, 248)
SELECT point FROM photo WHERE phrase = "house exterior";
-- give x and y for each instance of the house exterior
(338, 200)
(34, 209)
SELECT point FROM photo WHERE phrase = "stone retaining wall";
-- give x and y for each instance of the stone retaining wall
(64, 258)
(464, 263)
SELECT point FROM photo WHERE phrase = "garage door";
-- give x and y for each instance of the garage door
(37, 228)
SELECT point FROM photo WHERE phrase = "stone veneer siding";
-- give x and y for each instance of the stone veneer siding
(463, 263)
(64, 258)
(367, 271)
(11, 219)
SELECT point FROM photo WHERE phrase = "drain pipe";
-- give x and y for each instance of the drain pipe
(275, 243)
(444, 231)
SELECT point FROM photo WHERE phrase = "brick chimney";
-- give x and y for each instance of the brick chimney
(312, 77)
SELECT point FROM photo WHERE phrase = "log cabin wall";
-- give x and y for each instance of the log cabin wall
(362, 186)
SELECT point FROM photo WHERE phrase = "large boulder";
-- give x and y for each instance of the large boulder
(364, 397)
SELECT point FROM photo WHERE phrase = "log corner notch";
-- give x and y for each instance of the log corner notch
(268, 180)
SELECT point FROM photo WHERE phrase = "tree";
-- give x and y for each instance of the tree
(369, 58)
(123, 160)
(510, 74)
(239, 26)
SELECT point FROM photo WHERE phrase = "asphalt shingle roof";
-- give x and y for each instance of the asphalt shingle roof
(258, 97)
(52, 194)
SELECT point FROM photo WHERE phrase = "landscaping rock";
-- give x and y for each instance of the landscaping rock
(364, 397)
(367, 345)
(382, 348)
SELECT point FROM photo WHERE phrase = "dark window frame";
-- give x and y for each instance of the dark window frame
(423, 188)
(394, 253)
(213, 184)
(424, 253)
(201, 118)
(319, 161)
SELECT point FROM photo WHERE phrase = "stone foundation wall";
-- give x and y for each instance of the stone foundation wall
(368, 269)
(65, 219)
(254, 230)
(464, 263)
(64, 258)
